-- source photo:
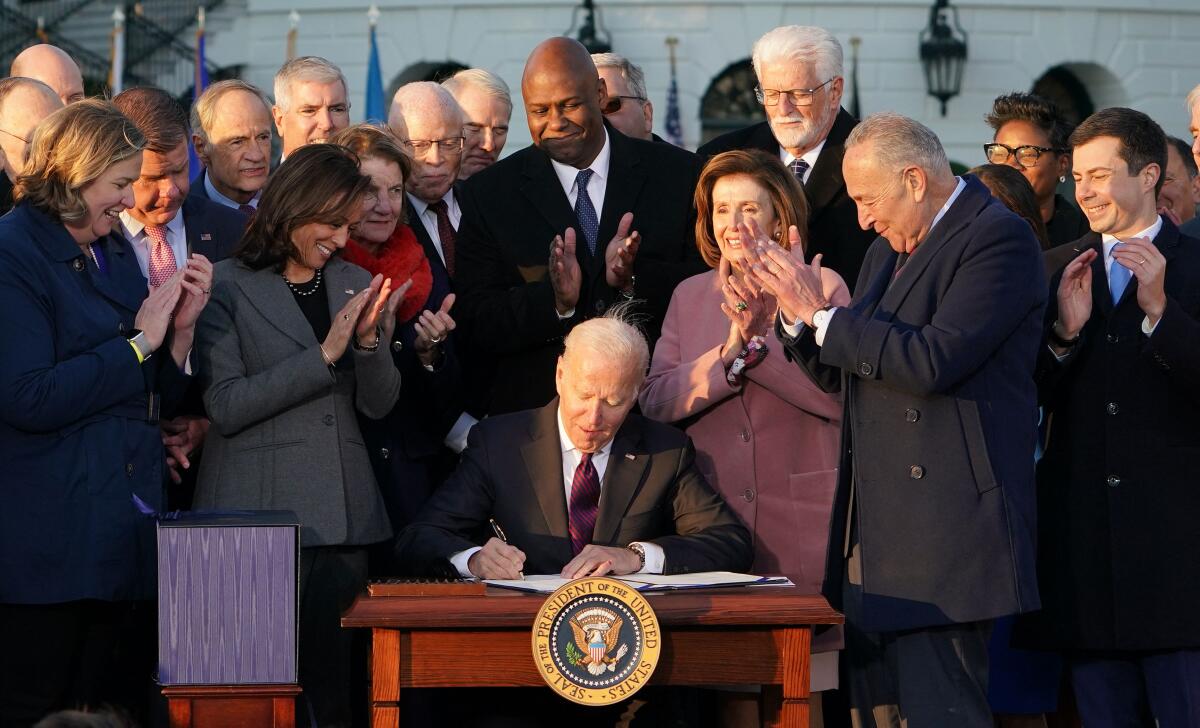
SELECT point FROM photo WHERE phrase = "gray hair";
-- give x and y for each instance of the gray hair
(12, 83)
(1185, 153)
(1193, 98)
(482, 79)
(614, 337)
(799, 44)
(204, 111)
(304, 68)
(629, 71)
(425, 97)
(900, 142)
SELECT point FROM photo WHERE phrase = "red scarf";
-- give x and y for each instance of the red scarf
(400, 258)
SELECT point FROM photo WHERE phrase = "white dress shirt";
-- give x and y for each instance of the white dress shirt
(1109, 242)
(596, 184)
(810, 156)
(571, 457)
(428, 218)
(135, 233)
(216, 196)
(793, 329)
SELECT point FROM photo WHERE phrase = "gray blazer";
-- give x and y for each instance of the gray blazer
(284, 431)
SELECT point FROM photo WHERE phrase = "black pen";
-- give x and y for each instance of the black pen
(500, 535)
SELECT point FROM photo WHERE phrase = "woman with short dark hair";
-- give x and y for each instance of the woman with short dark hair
(291, 351)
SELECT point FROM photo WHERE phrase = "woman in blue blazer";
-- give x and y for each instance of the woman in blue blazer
(91, 361)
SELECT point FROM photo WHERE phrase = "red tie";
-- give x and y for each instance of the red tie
(585, 500)
(445, 233)
(162, 258)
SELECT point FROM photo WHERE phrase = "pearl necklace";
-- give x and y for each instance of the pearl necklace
(316, 285)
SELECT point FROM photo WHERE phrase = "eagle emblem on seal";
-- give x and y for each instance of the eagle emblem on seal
(597, 632)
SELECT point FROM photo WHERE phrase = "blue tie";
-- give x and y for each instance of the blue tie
(1118, 277)
(589, 222)
(799, 168)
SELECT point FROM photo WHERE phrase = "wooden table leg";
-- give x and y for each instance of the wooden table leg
(385, 678)
(786, 706)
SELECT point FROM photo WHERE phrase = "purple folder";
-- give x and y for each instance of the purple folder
(227, 598)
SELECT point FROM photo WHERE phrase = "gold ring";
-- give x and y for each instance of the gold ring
(436, 339)
(345, 317)
(1142, 261)
(740, 306)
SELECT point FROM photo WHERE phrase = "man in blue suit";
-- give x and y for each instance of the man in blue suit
(166, 225)
(932, 529)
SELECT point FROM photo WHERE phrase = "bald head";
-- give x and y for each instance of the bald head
(53, 67)
(24, 102)
(429, 123)
(563, 94)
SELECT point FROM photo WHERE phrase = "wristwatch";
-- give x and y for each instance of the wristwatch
(821, 317)
(137, 340)
(640, 550)
(627, 291)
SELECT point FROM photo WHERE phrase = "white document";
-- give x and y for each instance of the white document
(549, 583)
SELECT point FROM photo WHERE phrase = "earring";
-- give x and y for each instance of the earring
(1062, 179)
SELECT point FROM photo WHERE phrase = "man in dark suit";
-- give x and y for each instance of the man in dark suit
(932, 528)
(1117, 498)
(546, 237)
(541, 473)
(231, 132)
(165, 227)
(807, 128)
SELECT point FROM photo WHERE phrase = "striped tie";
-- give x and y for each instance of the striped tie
(162, 259)
(585, 501)
(799, 168)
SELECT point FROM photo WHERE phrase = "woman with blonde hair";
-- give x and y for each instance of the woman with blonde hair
(91, 362)
(765, 438)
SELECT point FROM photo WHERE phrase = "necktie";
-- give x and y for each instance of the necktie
(585, 500)
(589, 222)
(900, 261)
(247, 210)
(162, 259)
(799, 168)
(445, 233)
(1118, 277)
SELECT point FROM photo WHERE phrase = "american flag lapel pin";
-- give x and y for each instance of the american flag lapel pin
(349, 291)
(630, 456)
(206, 236)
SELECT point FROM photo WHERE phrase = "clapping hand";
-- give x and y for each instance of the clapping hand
(620, 254)
(782, 273)
(565, 275)
(1075, 295)
(748, 308)
(154, 316)
(432, 328)
(346, 321)
(197, 286)
(1149, 266)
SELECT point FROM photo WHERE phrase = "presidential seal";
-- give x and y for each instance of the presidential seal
(596, 641)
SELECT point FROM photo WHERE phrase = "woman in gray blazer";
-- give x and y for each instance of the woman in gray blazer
(289, 350)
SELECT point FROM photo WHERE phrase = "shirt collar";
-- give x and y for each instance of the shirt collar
(1150, 232)
(810, 156)
(133, 227)
(420, 206)
(567, 446)
(216, 196)
(599, 166)
(962, 185)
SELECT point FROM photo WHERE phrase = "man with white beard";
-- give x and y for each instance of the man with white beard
(799, 70)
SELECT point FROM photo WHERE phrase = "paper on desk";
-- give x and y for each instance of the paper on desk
(549, 583)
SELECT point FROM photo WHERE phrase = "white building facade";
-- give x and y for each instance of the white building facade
(1145, 55)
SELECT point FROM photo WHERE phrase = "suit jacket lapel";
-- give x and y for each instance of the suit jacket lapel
(826, 178)
(623, 477)
(540, 185)
(267, 292)
(762, 138)
(124, 283)
(543, 462)
(338, 287)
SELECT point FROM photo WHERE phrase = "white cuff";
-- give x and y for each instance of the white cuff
(461, 559)
(1057, 356)
(1147, 329)
(819, 333)
(654, 558)
(187, 360)
(564, 316)
(456, 438)
(792, 329)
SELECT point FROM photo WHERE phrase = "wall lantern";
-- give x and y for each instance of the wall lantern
(943, 52)
(590, 34)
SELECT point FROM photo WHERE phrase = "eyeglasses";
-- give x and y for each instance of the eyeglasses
(421, 147)
(613, 104)
(15, 136)
(798, 96)
(1027, 154)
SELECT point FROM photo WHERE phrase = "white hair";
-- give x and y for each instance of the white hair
(613, 337)
(482, 79)
(304, 68)
(204, 111)
(799, 44)
(629, 71)
(424, 97)
(1193, 98)
(900, 142)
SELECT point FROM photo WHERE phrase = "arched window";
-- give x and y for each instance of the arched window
(436, 71)
(729, 102)
(1065, 89)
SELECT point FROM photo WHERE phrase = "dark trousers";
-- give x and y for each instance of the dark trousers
(333, 661)
(925, 678)
(72, 655)
(1116, 689)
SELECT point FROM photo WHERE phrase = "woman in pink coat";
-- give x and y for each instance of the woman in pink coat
(766, 437)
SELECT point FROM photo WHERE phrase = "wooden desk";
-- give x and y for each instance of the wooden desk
(232, 706)
(754, 635)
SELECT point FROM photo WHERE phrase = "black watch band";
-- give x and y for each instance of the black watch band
(1058, 340)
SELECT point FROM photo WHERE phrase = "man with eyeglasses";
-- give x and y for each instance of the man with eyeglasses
(24, 102)
(799, 70)
(627, 107)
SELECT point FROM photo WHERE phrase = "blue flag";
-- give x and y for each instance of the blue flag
(199, 83)
(674, 128)
(376, 112)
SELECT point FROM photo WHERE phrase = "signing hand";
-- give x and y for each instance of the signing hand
(1149, 266)
(565, 275)
(432, 329)
(154, 316)
(784, 274)
(497, 560)
(620, 253)
(1075, 295)
(181, 437)
(596, 560)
